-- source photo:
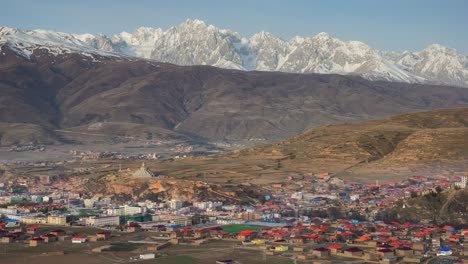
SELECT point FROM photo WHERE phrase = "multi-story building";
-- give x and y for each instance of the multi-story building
(102, 220)
(175, 205)
(463, 182)
(207, 205)
(33, 220)
(57, 220)
(126, 210)
(181, 220)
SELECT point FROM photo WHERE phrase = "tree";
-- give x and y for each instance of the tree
(438, 189)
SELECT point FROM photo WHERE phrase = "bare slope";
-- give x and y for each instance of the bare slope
(72, 90)
(428, 142)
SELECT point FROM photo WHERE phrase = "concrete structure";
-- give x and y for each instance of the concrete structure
(463, 182)
(79, 239)
(126, 210)
(175, 205)
(143, 172)
(102, 221)
(34, 242)
(56, 220)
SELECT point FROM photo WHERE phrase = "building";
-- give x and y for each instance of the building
(57, 220)
(49, 238)
(207, 205)
(79, 239)
(58, 232)
(247, 235)
(33, 220)
(175, 205)
(34, 242)
(463, 182)
(7, 239)
(133, 227)
(102, 221)
(33, 229)
(126, 210)
(179, 220)
(321, 252)
(104, 235)
(143, 172)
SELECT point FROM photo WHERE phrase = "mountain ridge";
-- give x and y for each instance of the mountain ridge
(196, 43)
(70, 90)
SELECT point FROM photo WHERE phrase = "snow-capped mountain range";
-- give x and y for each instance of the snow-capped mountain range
(196, 43)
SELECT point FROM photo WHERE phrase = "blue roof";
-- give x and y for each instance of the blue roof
(445, 249)
(10, 220)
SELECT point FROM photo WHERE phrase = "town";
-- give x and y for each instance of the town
(316, 219)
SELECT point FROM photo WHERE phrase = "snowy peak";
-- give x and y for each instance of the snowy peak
(195, 42)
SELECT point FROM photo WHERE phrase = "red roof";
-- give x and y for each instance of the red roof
(79, 236)
(335, 247)
(347, 234)
(247, 232)
(48, 235)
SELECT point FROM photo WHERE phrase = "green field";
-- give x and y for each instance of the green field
(238, 228)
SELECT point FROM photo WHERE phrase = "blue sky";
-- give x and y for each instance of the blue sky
(383, 24)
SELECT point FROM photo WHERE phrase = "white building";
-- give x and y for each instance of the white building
(126, 210)
(354, 197)
(298, 195)
(462, 183)
(102, 220)
(175, 205)
(207, 205)
(79, 239)
(148, 256)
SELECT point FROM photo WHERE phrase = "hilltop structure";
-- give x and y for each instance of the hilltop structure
(143, 172)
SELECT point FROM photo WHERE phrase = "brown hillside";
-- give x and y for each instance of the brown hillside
(71, 90)
(398, 146)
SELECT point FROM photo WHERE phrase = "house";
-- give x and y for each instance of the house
(18, 235)
(353, 252)
(404, 251)
(104, 235)
(36, 241)
(297, 240)
(49, 238)
(133, 227)
(281, 248)
(7, 239)
(202, 233)
(385, 252)
(58, 232)
(335, 248)
(78, 239)
(33, 229)
(419, 246)
(222, 234)
(321, 252)
(247, 235)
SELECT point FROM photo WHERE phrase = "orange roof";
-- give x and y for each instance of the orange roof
(335, 247)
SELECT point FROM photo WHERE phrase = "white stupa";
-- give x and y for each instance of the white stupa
(143, 172)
